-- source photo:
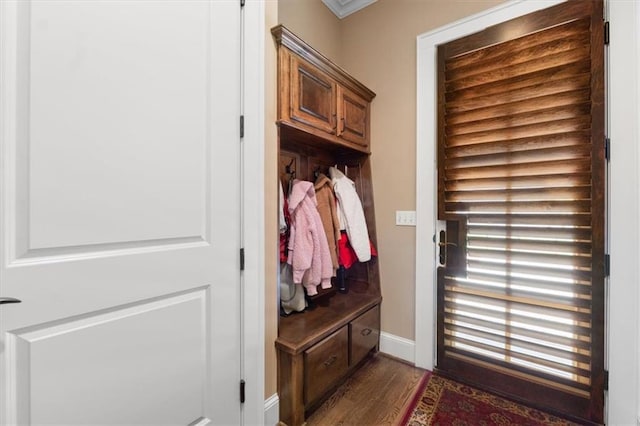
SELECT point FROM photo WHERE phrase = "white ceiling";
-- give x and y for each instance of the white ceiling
(342, 8)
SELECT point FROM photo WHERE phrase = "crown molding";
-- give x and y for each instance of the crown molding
(342, 8)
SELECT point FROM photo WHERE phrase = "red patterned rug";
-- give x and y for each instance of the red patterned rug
(441, 402)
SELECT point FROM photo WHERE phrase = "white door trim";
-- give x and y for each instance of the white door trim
(624, 200)
(253, 202)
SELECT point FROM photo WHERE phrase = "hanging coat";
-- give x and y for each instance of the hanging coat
(328, 215)
(309, 254)
(351, 213)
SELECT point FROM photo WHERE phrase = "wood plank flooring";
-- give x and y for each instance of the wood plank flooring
(376, 394)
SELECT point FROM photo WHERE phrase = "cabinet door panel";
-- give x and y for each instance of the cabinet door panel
(313, 96)
(325, 363)
(353, 112)
(365, 332)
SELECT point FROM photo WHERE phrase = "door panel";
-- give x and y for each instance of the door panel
(313, 96)
(353, 117)
(119, 123)
(521, 187)
(105, 347)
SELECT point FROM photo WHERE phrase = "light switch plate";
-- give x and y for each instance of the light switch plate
(405, 218)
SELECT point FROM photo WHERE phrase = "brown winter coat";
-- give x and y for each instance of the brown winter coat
(329, 216)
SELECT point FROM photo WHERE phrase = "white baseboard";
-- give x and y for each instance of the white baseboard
(398, 347)
(272, 410)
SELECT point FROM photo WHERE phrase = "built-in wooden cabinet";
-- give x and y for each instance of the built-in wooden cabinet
(324, 120)
(320, 98)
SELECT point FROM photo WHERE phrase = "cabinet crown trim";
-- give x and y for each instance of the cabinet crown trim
(284, 37)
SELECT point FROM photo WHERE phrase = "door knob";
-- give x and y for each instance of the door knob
(4, 300)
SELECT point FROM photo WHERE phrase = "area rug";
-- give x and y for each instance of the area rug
(443, 402)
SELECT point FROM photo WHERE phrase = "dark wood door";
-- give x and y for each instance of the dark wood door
(521, 175)
(313, 96)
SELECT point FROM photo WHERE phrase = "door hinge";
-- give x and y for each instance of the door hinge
(242, 395)
(242, 126)
(607, 265)
(606, 380)
(606, 32)
(242, 259)
(607, 149)
(241, 3)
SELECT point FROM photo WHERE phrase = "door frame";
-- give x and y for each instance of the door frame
(253, 199)
(623, 403)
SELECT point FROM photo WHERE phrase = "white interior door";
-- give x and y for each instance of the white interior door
(120, 212)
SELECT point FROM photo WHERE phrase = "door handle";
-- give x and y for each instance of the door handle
(4, 300)
(442, 252)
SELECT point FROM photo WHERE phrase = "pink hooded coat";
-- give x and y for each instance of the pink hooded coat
(309, 254)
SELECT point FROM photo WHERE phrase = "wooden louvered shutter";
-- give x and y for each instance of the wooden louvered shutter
(521, 185)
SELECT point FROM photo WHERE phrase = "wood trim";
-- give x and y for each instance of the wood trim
(294, 43)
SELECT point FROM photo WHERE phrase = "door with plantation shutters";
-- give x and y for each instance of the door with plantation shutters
(521, 176)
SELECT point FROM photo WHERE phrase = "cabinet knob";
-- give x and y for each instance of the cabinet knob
(330, 361)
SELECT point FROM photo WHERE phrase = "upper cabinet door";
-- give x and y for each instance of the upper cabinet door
(353, 117)
(319, 102)
(313, 96)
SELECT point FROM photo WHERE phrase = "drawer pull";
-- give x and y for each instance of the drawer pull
(330, 361)
(366, 332)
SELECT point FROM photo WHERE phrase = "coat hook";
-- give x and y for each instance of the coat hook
(288, 167)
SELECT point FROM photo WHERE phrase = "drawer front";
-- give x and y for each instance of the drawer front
(324, 363)
(365, 333)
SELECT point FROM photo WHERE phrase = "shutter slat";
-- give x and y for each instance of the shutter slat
(533, 221)
(513, 182)
(532, 246)
(522, 194)
(518, 69)
(583, 206)
(519, 120)
(550, 260)
(541, 52)
(552, 74)
(497, 52)
(527, 277)
(568, 297)
(518, 170)
(565, 153)
(570, 359)
(463, 115)
(578, 233)
(537, 88)
(538, 129)
(520, 333)
(565, 139)
(512, 355)
(545, 317)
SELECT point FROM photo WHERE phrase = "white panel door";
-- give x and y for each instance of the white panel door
(120, 212)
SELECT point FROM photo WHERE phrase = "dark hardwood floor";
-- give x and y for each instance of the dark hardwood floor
(376, 394)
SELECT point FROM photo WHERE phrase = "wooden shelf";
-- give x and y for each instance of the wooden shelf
(297, 135)
(300, 331)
